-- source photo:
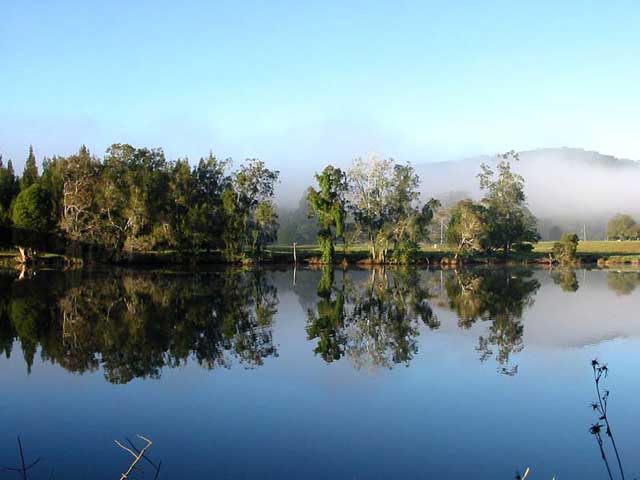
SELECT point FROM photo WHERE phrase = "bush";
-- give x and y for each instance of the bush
(565, 250)
(32, 210)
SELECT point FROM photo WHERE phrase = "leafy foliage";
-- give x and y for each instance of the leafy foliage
(564, 251)
(32, 210)
(468, 229)
(623, 227)
(328, 205)
(134, 199)
(509, 220)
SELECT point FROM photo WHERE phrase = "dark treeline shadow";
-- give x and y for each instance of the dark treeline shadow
(54, 243)
(133, 324)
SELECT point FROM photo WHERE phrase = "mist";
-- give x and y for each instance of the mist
(569, 187)
(575, 189)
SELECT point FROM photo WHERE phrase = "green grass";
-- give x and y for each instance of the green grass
(590, 248)
(615, 253)
(597, 247)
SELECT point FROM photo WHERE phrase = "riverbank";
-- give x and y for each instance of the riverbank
(603, 253)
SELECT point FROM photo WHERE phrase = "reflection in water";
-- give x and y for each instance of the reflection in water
(566, 278)
(623, 283)
(496, 295)
(133, 324)
(375, 322)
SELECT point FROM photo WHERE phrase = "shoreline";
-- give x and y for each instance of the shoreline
(283, 256)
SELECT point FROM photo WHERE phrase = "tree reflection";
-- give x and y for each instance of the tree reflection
(566, 278)
(498, 296)
(326, 322)
(375, 322)
(134, 324)
(623, 283)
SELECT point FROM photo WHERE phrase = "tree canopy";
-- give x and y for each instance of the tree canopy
(509, 220)
(623, 227)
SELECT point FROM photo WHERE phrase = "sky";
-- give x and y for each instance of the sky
(303, 84)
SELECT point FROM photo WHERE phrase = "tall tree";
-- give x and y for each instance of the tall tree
(78, 217)
(370, 185)
(7, 185)
(211, 180)
(30, 174)
(510, 221)
(407, 219)
(329, 206)
(249, 215)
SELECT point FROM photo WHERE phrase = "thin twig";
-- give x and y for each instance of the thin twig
(137, 457)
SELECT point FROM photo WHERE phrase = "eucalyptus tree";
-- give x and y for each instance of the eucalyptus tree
(370, 185)
(467, 230)
(386, 206)
(249, 214)
(407, 218)
(328, 203)
(510, 221)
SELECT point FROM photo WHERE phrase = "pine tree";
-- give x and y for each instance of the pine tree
(30, 175)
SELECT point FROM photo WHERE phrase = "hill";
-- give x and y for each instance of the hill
(568, 187)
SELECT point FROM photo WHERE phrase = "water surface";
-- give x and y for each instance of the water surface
(318, 374)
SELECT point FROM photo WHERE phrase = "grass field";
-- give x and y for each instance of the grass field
(594, 248)
(614, 252)
(597, 247)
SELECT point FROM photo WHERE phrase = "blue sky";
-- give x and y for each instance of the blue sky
(300, 84)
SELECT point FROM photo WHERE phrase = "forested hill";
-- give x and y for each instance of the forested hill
(562, 184)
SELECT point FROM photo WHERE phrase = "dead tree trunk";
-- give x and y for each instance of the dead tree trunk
(24, 257)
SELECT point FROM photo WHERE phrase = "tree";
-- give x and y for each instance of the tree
(509, 220)
(249, 216)
(7, 191)
(564, 251)
(30, 174)
(467, 231)
(622, 227)
(32, 210)
(265, 226)
(80, 179)
(329, 206)
(211, 179)
(386, 207)
(407, 220)
(370, 185)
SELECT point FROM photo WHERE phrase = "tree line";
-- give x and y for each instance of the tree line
(134, 199)
(378, 201)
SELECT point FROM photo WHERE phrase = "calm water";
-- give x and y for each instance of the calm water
(356, 375)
